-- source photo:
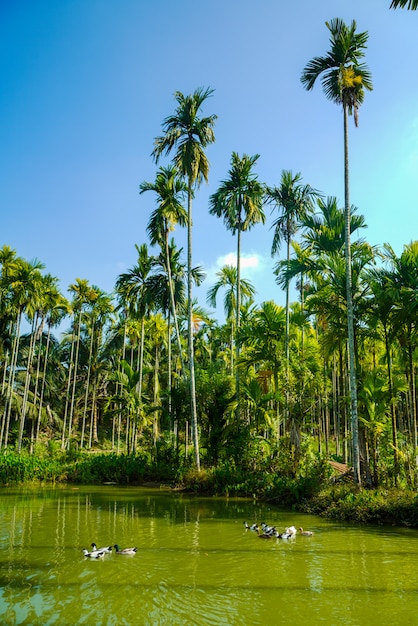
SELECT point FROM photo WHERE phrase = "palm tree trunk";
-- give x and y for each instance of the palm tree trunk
(41, 398)
(286, 413)
(350, 312)
(71, 415)
(67, 394)
(27, 383)
(13, 365)
(238, 315)
(192, 382)
(86, 394)
(173, 306)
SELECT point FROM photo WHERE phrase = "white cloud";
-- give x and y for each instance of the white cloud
(250, 264)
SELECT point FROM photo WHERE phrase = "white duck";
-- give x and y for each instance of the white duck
(94, 554)
(105, 549)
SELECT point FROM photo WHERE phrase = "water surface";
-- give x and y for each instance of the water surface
(196, 563)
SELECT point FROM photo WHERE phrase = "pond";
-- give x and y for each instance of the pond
(195, 564)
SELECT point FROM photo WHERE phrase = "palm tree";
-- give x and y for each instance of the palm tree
(83, 294)
(169, 189)
(97, 318)
(294, 201)
(227, 278)
(239, 200)
(188, 135)
(404, 292)
(133, 290)
(263, 337)
(344, 80)
(23, 282)
(411, 5)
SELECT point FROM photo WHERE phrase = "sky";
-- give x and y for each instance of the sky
(85, 86)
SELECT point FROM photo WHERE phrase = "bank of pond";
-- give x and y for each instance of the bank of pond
(315, 490)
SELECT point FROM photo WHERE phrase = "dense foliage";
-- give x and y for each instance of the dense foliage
(255, 405)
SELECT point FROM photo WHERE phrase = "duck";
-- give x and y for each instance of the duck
(253, 527)
(266, 528)
(125, 550)
(289, 533)
(94, 554)
(306, 533)
(284, 535)
(268, 533)
(105, 549)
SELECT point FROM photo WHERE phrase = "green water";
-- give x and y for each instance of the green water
(195, 563)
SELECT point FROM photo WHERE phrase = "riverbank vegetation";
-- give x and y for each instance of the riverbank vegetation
(145, 385)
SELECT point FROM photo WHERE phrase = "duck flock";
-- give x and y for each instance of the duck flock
(98, 553)
(264, 531)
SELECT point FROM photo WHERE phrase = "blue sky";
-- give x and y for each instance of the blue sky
(86, 85)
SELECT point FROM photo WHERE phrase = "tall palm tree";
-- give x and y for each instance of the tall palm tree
(133, 290)
(23, 283)
(169, 189)
(293, 201)
(404, 292)
(227, 279)
(344, 80)
(239, 200)
(83, 294)
(263, 337)
(188, 134)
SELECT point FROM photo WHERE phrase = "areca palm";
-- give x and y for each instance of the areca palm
(83, 294)
(133, 290)
(169, 189)
(23, 281)
(188, 134)
(294, 201)
(344, 80)
(239, 200)
(404, 292)
(228, 278)
(263, 338)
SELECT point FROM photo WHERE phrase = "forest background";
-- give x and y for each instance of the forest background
(272, 388)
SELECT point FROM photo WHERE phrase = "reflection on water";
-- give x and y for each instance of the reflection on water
(196, 563)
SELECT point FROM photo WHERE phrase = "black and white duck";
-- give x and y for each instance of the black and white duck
(94, 554)
(105, 549)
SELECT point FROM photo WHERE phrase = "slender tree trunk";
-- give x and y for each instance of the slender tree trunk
(413, 408)
(13, 365)
(350, 312)
(67, 394)
(86, 394)
(71, 415)
(27, 384)
(193, 408)
(41, 399)
(39, 333)
(287, 353)
(392, 406)
(238, 316)
(173, 306)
